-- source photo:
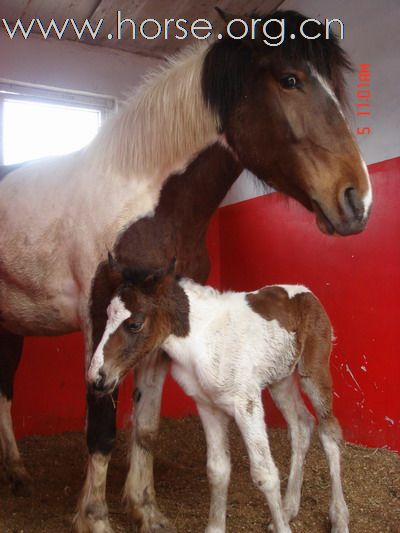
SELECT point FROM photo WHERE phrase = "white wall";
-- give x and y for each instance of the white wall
(372, 35)
(70, 65)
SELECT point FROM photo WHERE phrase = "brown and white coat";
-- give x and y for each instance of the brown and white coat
(225, 349)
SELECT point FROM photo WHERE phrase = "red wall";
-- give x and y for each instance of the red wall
(49, 395)
(263, 241)
(356, 278)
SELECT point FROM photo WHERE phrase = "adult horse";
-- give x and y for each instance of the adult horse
(277, 111)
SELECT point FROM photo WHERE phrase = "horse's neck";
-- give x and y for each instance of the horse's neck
(194, 195)
(186, 204)
(162, 126)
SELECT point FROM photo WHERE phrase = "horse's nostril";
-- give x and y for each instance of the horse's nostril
(353, 205)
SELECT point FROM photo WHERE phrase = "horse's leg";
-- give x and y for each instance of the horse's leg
(139, 488)
(287, 397)
(10, 355)
(215, 424)
(92, 515)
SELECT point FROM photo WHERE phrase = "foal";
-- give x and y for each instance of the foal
(225, 348)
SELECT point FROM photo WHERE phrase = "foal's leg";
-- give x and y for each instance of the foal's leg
(215, 424)
(317, 384)
(10, 355)
(139, 488)
(287, 397)
(249, 416)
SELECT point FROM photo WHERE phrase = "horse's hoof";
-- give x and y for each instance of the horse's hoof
(20, 480)
(155, 522)
(161, 527)
(22, 487)
(93, 520)
(92, 526)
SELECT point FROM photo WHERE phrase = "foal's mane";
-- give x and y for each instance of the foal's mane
(162, 123)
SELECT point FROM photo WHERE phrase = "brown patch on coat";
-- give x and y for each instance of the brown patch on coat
(178, 228)
(159, 304)
(304, 315)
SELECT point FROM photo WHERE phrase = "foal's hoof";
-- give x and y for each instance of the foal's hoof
(271, 529)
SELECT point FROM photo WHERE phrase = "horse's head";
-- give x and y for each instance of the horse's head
(280, 110)
(147, 306)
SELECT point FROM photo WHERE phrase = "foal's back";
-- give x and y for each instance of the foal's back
(245, 340)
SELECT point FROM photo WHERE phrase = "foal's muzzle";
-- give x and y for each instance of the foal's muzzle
(101, 385)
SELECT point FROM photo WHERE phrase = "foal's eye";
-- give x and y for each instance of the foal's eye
(289, 82)
(134, 327)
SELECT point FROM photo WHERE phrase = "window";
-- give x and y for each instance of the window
(38, 123)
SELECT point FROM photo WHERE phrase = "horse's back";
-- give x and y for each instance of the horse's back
(7, 169)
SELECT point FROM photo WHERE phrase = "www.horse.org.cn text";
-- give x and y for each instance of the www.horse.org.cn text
(273, 32)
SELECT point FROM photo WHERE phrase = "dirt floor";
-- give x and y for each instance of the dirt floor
(371, 484)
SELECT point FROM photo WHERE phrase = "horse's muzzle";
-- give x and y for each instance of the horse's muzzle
(350, 217)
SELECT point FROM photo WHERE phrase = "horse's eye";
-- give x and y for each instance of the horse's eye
(289, 82)
(134, 327)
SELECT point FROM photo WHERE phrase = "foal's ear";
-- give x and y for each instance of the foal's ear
(115, 270)
(112, 263)
(172, 266)
(159, 279)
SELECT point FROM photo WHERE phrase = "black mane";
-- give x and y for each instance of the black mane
(229, 62)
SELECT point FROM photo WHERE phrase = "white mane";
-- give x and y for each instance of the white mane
(162, 125)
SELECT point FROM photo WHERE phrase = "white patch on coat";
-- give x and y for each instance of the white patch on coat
(326, 86)
(367, 200)
(292, 290)
(48, 266)
(117, 313)
(231, 352)
(92, 512)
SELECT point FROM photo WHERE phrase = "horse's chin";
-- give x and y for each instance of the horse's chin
(342, 228)
(325, 226)
(323, 222)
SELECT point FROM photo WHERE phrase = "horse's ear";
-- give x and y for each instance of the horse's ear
(226, 17)
(235, 25)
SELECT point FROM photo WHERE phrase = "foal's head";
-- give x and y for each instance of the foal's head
(147, 306)
(281, 110)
